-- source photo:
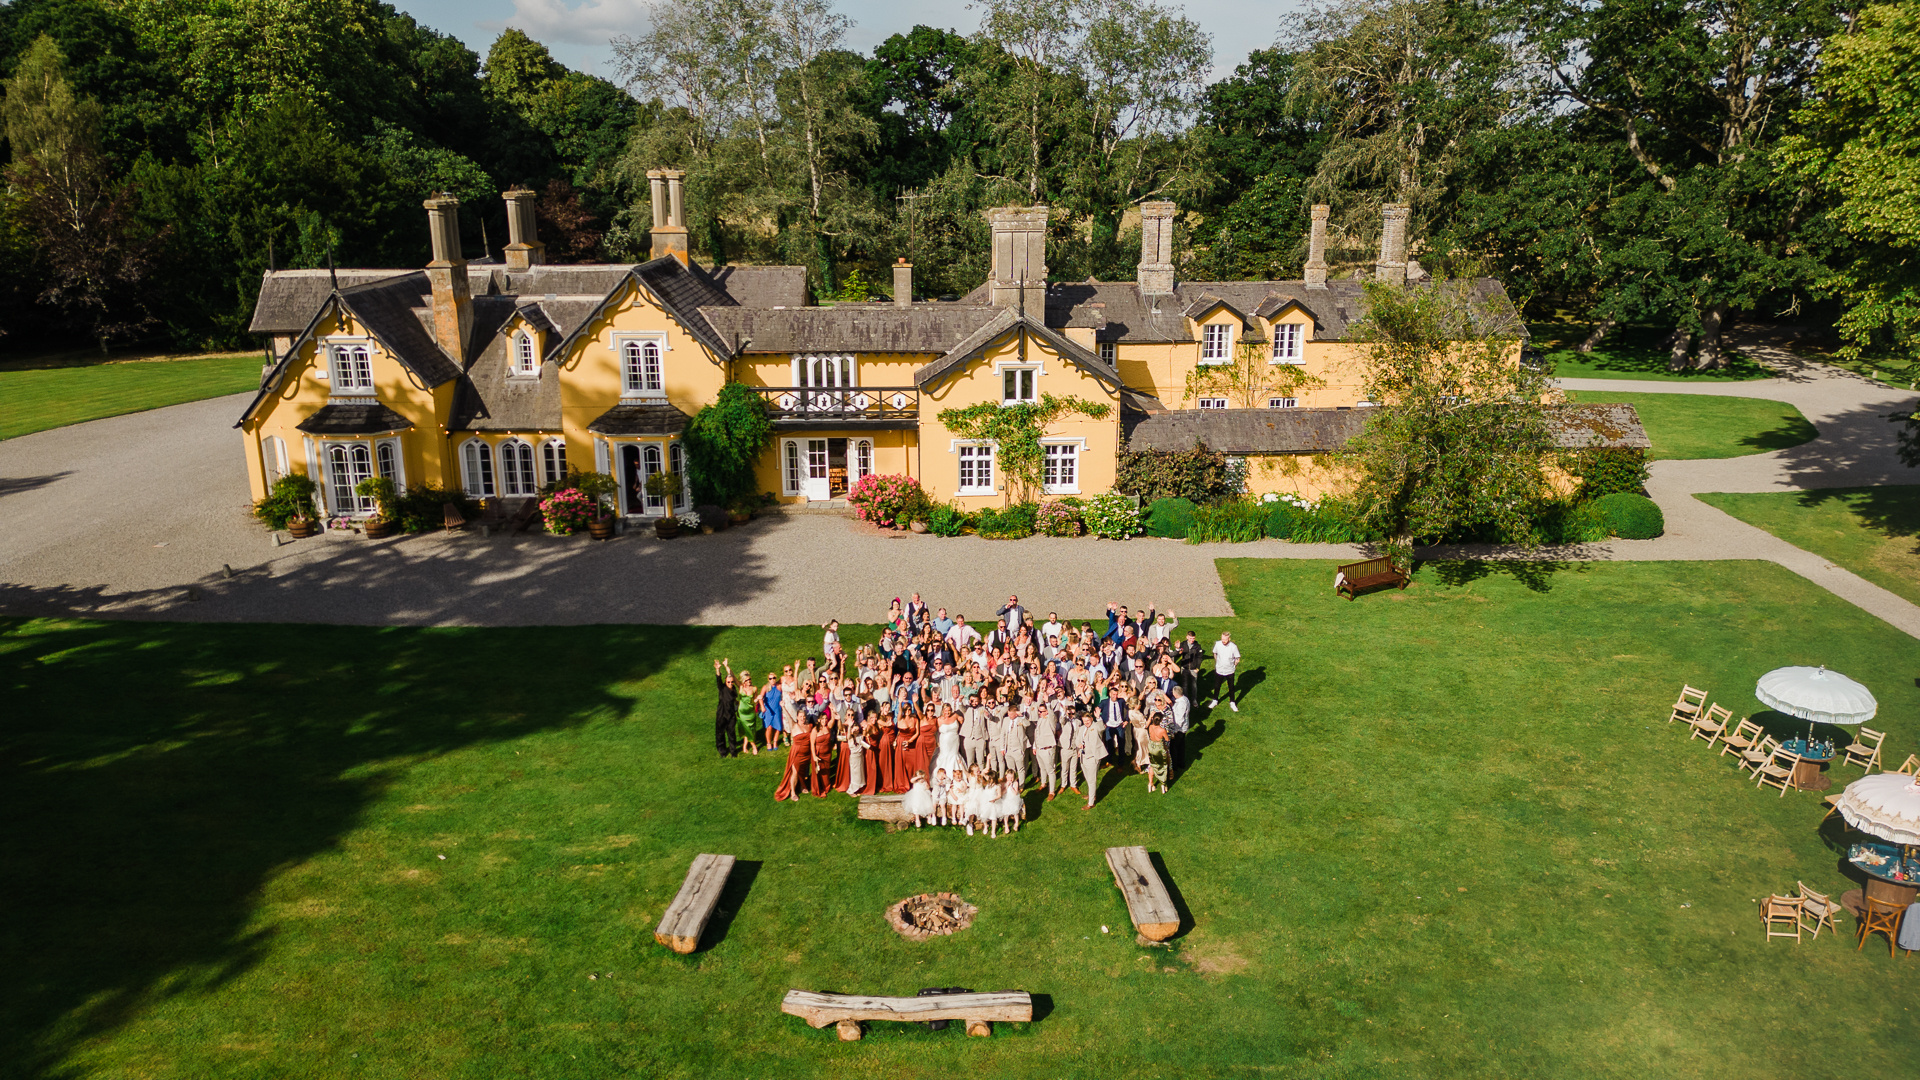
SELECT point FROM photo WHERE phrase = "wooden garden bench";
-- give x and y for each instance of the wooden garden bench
(524, 516)
(847, 1010)
(1149, 904)
(687, 916)
(451, 517)
(1354, 577)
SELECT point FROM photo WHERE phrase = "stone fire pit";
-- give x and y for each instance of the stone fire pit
(918, 918)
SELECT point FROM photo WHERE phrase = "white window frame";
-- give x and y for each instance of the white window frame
(1287, 343)
(347, 463)
(635, 388)
(975, 453)
(517, 468)
(1283, 403)
(677, 464)
(477, 470)
(826, 371)
(1071, 484)
(793, 468)
(1110, 352)
(524, 361)
(1214, 402)
(348, 357)
(273, 459)
(553, 460)
(1028, 373)
(859, 460)
(389, 452)
(1216, 343)
(653, 459)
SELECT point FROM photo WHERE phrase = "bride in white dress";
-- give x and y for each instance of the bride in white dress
(947, 749)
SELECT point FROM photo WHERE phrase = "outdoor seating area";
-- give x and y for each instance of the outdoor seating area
(1880, 810)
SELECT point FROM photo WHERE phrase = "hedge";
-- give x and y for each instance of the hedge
(1631, 516)
(1170, 518)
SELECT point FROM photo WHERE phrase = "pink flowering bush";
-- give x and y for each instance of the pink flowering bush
(888, 501)
(1058, 518)
(566, 511)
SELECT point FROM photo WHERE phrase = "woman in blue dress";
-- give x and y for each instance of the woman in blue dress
(770, 712)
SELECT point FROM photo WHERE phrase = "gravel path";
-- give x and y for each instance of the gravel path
(139, 516)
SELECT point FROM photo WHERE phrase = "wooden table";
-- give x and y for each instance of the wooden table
(1807, 772)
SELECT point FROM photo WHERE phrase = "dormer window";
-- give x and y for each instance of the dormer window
(352, 369)
(1286, 343)
(641, 367)
(1216, 342)
(526, 358)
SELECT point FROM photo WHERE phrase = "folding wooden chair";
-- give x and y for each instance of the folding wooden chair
(1711, 726)
(1820, 907)
(1833, 806)
(1689, 706)
(1752, 760)
(1745, 736)
(1911, 765)
(1882, 916)
(1864, 751)
(1781, 911)
(1778, 772)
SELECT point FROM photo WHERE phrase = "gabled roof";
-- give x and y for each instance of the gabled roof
(1007, 321)
(288, 298)
(681, 292)
(875, 328)
(491, 398)
(1204, 304)
(763, 286)
(1318, 430)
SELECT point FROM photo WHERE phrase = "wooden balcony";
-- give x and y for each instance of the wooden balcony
(796, 408)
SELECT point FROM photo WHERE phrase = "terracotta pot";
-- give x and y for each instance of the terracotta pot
(600, 529)
(918, 526)
(380, 530)
(301, 528)
(739, 517)
(666, 528)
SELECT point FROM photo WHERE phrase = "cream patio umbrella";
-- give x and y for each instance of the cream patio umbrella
(1886, 805)
(1816, 695)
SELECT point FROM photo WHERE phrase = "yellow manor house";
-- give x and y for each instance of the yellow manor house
(498, 378)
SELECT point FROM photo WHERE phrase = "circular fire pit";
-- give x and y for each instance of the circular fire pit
(918, 918)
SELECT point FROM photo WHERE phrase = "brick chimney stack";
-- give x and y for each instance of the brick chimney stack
(668, 190)
(447, 273)
(1020, 259)
(1156, 248)
(1317, 248)
(524, 249)
(902, 283)
(1392, 267)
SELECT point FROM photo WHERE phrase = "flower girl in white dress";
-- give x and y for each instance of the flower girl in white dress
(1006, 808)
(918, 800)
(960, 801)
(942, 797)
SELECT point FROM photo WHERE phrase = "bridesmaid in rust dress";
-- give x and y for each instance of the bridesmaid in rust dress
(799, 749)
(822, 763)
(871, 733)
(927, 745)
(843, 734)
(883, 749)
(904, 733)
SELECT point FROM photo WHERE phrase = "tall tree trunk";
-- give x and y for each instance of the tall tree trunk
(1599, 333)
(1679, 343)
(1711, 324)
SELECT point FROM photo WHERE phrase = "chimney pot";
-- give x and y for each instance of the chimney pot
(902, 283)
(447, 274)
(1316, 273)
(524, 249)
(1392, 267)
(1020, 258)
(669, 213)
(1155, 272)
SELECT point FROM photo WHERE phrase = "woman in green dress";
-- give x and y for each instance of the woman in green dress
(746, 719)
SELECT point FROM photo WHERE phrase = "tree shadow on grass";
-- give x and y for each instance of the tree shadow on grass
(1792, 432)
(156, 777)
(1892, 511)
(1535, 574)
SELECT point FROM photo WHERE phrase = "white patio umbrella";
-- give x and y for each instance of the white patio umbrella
(1887, 805)
(1815, 694)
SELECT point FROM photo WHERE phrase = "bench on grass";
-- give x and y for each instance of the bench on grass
(687, 916)
(845, 1011)
(888, 808)
(1373, 573)
(1149, 904)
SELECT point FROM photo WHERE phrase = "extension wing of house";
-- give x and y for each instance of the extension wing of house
(499, 378)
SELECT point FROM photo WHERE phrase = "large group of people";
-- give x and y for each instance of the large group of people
(960, 723)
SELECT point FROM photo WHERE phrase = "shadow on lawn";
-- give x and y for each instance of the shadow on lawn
(157, 776)
(1535, 574)
(1893, 511)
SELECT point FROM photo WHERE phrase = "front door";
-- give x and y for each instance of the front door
(632, 480)
(815, 485)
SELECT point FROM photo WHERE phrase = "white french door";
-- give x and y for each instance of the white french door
(815, 486)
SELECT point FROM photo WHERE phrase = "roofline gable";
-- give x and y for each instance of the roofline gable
(1009, 321)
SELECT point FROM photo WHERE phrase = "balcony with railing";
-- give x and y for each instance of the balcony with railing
(860, 407)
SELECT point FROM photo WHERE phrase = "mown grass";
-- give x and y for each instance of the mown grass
(1450, 834)
(1703, 426)
(1872, 531)
(37, 398)
(1630, 352)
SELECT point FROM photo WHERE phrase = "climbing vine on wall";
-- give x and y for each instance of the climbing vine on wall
(1015, 431)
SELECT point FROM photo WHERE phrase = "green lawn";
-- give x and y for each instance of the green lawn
(1630, 352)
(1699, 426)
(1449, 835)
(39, 398)
(1874, 531)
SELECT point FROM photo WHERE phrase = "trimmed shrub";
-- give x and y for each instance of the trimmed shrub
(1014, 522)
(1113, 516)
(946, 520)
(1058, 518)
(1170, 518)
(1573, 523)
(1234, 522)
(1197, 474)
(888, 501)
(1631, 516)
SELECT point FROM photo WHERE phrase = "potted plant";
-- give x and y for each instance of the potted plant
(600, 488)
(386, 498)
(289, 506)
(740, 510)
(665, 486)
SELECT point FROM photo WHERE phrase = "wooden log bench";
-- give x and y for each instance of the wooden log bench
(845, 1011)
(888, 808)
(1355, 578)
(687, 916)
(1149, 904)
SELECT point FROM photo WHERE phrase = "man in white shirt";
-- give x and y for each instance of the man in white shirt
(1226, 659)
(1179, 717)
(830, 639)
(1162, 628)
(1052, 628)
(962, 635)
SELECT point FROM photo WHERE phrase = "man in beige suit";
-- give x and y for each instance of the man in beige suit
(1093, 750)
(1046, 746)
(1070, 734)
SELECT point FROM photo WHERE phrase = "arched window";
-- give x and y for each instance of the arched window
(388, 459)
(476, 466)
(553, 459)
(347, 465)
(516, 469)
(651, 463)
(862, 458)
(793, 467)
(525, 361)
(642, 367)
(678, 456)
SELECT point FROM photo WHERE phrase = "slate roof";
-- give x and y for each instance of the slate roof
(876, 328)
(640, 420)
(492, 399)
(358, 419)
(1312, 431)
(763, 286)
(1120, 312)
(289, 298)
(1004, 321)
